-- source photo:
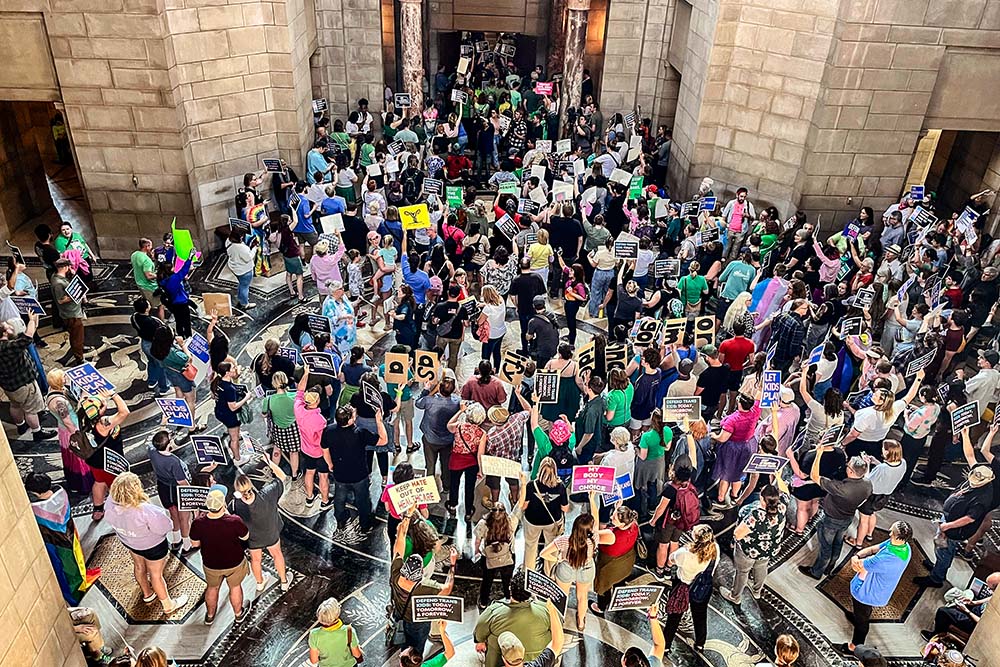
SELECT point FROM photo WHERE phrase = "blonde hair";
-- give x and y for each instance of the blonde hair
(152, 656)
(127, 490)
(620, 437)
(547, 473)
(279, 380)
(735, 311)
(893, 451)
(703, 543)
(490, 295)
(242, 483)
(328, 612)
(56, 378)
(543, 237)
(786, 651)
(321, 248)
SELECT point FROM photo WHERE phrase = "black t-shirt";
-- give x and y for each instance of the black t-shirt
(368, 412)
(547, 658)
(451, 319)
(713, 383)
(565, 235)
(546, 336)
(278, 363)
(48, 254)
(347, 451)
(526, 287)
(670, 493)
(967, 501)
(802, 253)
(628, 306)
(145, 325)
(545, 503)
(355, 234)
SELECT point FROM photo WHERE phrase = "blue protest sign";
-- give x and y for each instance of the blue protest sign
(765, 464)
(27, 304)
(177, 411)
(291, 354)
(917, 192)
(86, 380)
(771, 351)
(198, 347)
(771, 391)
(817, 354)
(904, 288)
(623, 490)
(208, 449)
(707, 204)
(852, 231)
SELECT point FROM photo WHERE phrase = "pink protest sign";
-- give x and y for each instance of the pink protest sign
(543, 87)
(593, 478)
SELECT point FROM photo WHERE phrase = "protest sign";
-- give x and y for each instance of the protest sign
(498, 466)
(615, 356)
(543, 87)
(623, 490)
(320, 105)
(433, 186)
(621, 177)
(904, 288)
(864, 297)
(542, 146)
(921, 362)
(966, 221)
(677, 408)
(437, 608)
(538, 196)
(704, 330)
(635, 187)
(708, 235)
(831, 435)
(507, 226)
(593, 478)
(419, 491)
(765, 464)
(667, 268)
(673, 331)
(646, 332)
(177, 412)
(77, 289)
(426, 365)
(564, 146)
(482, 46)
(816, 355)
(512, 367)
(528, 206)
(964, 416)
(464, 62)
(200, 356)
(241, 225)
(689, 209)
(506, 50)
(586, 356)
(291, 354)
(397, 366)
(208, 449)
(318, 324)
(221, 303)
(334, 223)
(852, 326)
(459, 96)
(454, 196)
(27, 304)
(943, 391)
(191, 498)
(88, 381)
(634, 597)
(547, 386)
(917, 192)
(771, 389)
(320, 363)
(562, 191)
(626, 250)
(114, 463)
(372, 395)
(504, 123)
(402, 100)
(544, 588)
(508, 187)
(272, 165)
(707, 204)
(17, 254)
(922, 218)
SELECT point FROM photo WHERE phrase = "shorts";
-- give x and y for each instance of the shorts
(637, 424)
(293, 265)
(312, 238)
(159, 552)
(667, 533)
(735, 380)
(406, 410)
(234, 576)
(154, 301)
(178, 380)
(102, 476)
(567, 574)
(28, 398)
(313, 463)
(167, 494)
(386, 284)
(493, 482)
(874, 503)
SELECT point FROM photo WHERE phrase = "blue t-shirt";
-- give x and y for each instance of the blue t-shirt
(332, 205)
(305, 225)
(884, 570)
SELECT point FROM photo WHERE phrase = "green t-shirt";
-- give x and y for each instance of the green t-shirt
(620, 400)
(282, 408)
(691, 288)
(437, 661)
(543, 447)
(141, 264)
(391, 389)
(367, 155)
(654, 444)
(332, 645)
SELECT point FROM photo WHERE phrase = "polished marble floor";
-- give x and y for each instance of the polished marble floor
(353, 568)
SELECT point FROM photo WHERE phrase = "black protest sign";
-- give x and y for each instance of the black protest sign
(397, 367)
(318, 324)
(401, 100)
(943, 390)
(864, 297)
(547, 386)
(433, 186)
(396, 148)
(831, 436)
(921, 217)
(272, 164)
(191, 498)
(673, 331)
(320, 363)
(667, 268)
(586, 356)
(647, 330)
(528, 207)
(542, 587)
(852, 326)
(634, 597)
(921, 362)
(704, 330)
(437, 608)
(689, 209)
(482, 46)
(512, 367)
(964, 416)
(16, 254)
(507, 226)
(241, 225)
(114, 463)
(615, 356)
(208, 449)
(371, 395)
(626, 249)
(709, 235)
(426, 365)
(459, 96)
(320, 105)
(677, 408)
(76, 289)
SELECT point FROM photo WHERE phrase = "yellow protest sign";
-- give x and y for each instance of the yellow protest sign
(415, 217)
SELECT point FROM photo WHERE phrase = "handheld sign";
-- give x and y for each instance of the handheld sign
(88, 381)
(272, 165)
(415, 217)
(76, 289)
(904, 288)
(852, 326)
(965, 416)
(543, 146)
(114, 463)
(626, 250)
(498, 466)
(16, 254)
(547, 386)
(508, 187)
(919, 363)
(482, 46)
(667, 268)
(621, 177)
(634, 597)
(454, 196)
(586, 356)
(676, 408)
(177, 411)
(943, 390)
(208, 449)
(512, 367)
(426, 365)
(371, 395)
(528, 206)
(320, 105)
(615, 356)
(459, 96)
(704, 330)
(241, 225)
(673, 330)
(464, 62)
(419, 491)
(562, 191)
(707, 204)
(708, 235)
(765, 464)
(864, 297)
(623, 490)
(318, 324)
(564, 146)
(831, 436)
(771, 392)
(504, 124)
(917, 192)
(541, 586)
(401, 100)
(816, 355)
(27, 304)
(647, 331)
(333, 222)
(291, 354)
(433, 186)
(219, 302)
(543, 87)
(397, 367)
(437, 608)
(922, 218)
(593, 478)
(395, 149)
(191, 498)
(320, 363)
(200, 356)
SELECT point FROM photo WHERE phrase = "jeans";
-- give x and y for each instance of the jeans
(486, 585)
(745, 565)
(432, 454)
(157, 377)
(491, 351)
(416, 635)
(470, 488)
(862, 621)
(243, 288)
(362, 500)
(599, 289)
(523, 320)
(831, 542)
(942, 559)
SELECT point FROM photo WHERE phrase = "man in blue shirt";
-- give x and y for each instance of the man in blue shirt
(316, 163)
(303, 226)
(879, 569)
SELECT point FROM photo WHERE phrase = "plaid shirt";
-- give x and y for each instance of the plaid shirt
(506, 440)
(787, 333)
(16, 367)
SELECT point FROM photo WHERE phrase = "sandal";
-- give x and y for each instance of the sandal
(412, 447)
(597, 610)
(98, 513)
(581, 625)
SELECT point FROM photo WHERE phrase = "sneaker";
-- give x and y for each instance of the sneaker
(927, 635)
(325, 505)
(287, 583)
(242, 616)
(22, 428)
(165, 392)
(263, 584)
(250, 305)
(728, 594)
(209, 619)
(151, 599)
(176, 604)
(310, 501)
(967, 556)
(660, 573)
(43, 434)
(150, 385)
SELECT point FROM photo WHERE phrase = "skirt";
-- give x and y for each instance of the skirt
(346, 392)
(731, 459)
(347, 193)
(612, 570)
(286, 439)
(79, 479)
(808, 491)
(649, 471)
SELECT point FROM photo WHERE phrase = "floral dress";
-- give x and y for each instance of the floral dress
(341, 316)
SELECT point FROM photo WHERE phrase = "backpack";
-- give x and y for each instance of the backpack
(700, 589)
(565, 460)
(450, 244)
(687, 508)
(411, 189)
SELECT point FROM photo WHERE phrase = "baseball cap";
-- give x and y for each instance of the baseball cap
(685, 367)
(413, 568)
(709, 350)
(538, 302)
(869, 656)
(498, 414)
(992, 357)
(215, 501)
(980, 476)
(511, 648)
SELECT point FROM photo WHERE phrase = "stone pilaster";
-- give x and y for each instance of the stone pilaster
(576, 44)
(557, 37)
(411, 39)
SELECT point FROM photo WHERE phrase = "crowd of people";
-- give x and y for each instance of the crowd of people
(630, 294)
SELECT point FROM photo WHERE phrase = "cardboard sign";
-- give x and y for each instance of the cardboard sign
(433, 186)
(415, 492)
(114, 463)
(220, 303)
(320, 363)
(676, 408)
(673, 331)
(504, 124)
(76, 289)
(426, 365)
(634, 597)
(459, 96)
(593, 478)
(765, 464)
(547, 386)
(498, 466)
(623, 490)
(454, 196)
(272, 165)
(208, 449)
(704, 330)
(415, 217)
(512, 367)
(27, 304)
(88, 381)
(816, 355)
(177, 411)
(320, 105)
(192, 498)
(562, 191)
(586, 356)
(397, 366)
(626, 250)
(396, 148)
(544, 87)
(318, 324)
(334, 222)
(615, 356)
(771, 389)
(541, 586)
(964, 416)
(437, 608)
(646, 332)
(508, 187)
(852, 326)
(401, 100)
(919, 363)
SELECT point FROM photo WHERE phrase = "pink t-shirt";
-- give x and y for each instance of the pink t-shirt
(311, 424)
(736, 219)
(741, 424)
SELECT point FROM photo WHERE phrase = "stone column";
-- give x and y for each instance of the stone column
(557, 37)
(576, 44)
(411, 41)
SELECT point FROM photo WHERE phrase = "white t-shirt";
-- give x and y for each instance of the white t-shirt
(871, 426)
(497, 317)
(885, 478)
(240, 258)
(688, 565)
(818, 419)
(622, 461)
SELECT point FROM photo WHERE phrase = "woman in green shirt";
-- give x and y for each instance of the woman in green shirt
(619, 402)
(650, 466)
(283, 430)
(692, 288)
(333, 644)
(339, 137)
